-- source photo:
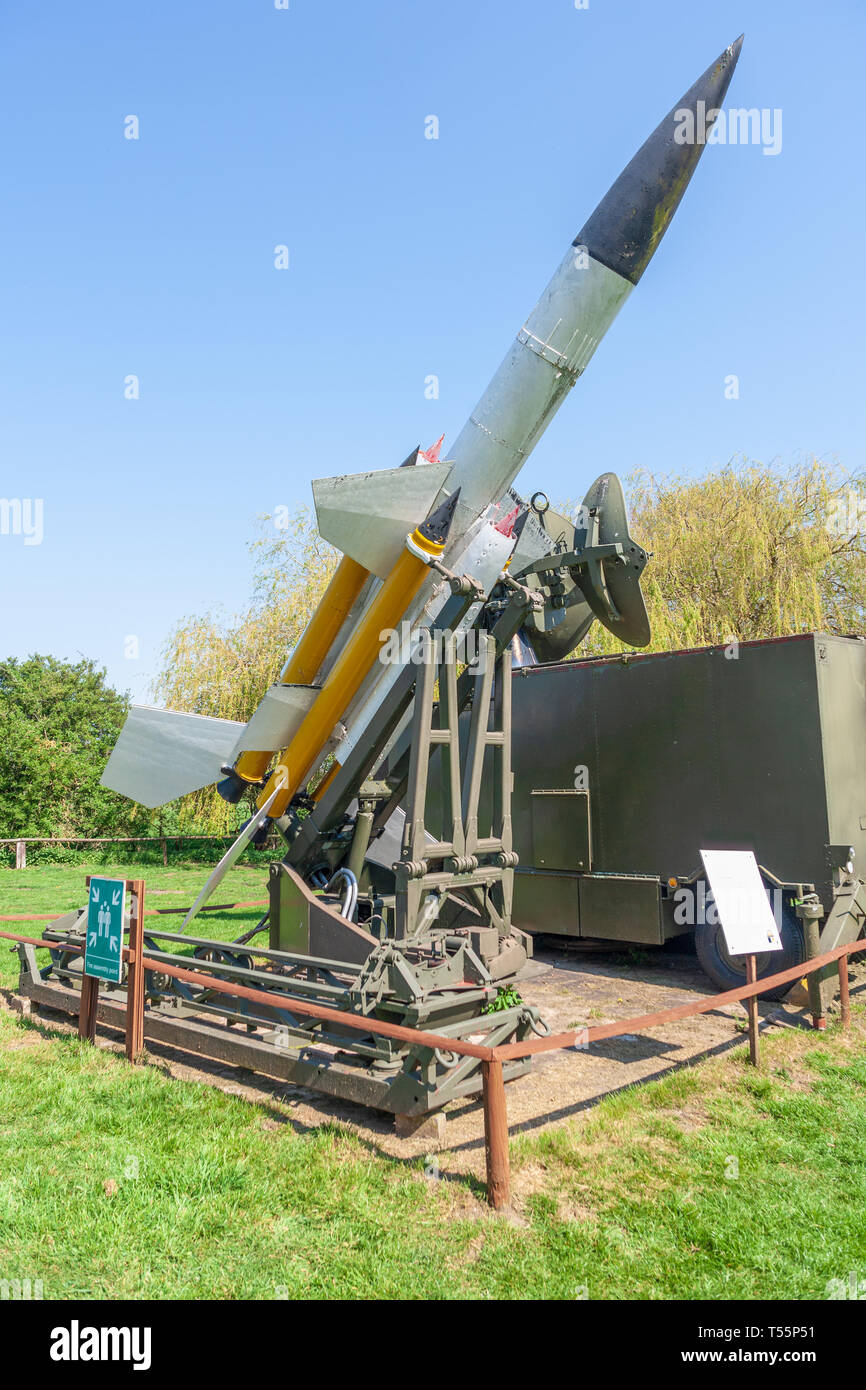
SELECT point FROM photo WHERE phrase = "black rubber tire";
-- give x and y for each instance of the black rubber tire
(710, 946)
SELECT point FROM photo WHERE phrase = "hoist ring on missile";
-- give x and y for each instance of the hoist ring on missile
(539, 502)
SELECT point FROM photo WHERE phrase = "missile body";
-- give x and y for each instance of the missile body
(378, 584)
(593, 281)
(356, 659)
(595, 277)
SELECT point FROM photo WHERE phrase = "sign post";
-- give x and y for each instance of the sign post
(103, 952)
(103, 947)
(135, 973)
(87, 1007)
(745, 917)
(752, 1001)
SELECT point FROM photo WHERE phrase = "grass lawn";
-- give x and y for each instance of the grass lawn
(57, 888)
(715, 1183)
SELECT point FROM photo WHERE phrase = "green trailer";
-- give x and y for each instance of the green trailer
(626, 767)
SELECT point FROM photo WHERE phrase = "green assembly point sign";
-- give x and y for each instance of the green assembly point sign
(103, 952)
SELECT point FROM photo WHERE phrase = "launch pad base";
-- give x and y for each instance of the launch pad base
(365, 1069)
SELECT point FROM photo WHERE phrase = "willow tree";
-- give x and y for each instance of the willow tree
(747, 552)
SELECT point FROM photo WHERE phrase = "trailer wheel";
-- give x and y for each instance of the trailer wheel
(728, 972)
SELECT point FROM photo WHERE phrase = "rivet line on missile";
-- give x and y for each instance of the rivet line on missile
(485, 430)
(356, 659)
(547, 351)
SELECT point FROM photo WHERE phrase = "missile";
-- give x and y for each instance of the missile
(380, 580)
(592, 282)
(595, 277)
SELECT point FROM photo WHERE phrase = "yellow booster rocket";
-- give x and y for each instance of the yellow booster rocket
(320, 634)
(316, 641)
(293, 768)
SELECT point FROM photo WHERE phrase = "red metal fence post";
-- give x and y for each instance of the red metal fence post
(752, 1001)
(844, 992)
(135, 974)
(496, 1136)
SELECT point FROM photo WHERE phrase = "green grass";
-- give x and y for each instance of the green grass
(58, 888)
(720, 1182)
(715, 1183)
(120, 1182)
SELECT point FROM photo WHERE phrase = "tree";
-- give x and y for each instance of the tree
(745, 553)
(58, 723)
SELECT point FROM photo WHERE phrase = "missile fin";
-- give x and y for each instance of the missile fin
(248, 832)
(533, 542)
(437, 526)
(162, 754)
(368, 515)
(274, 722)
(431, 455)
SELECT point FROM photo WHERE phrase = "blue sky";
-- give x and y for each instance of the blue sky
(408, 257)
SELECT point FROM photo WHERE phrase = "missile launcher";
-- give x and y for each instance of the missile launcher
(374, 907)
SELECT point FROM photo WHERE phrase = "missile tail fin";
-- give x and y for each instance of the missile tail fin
(367, 515)
(162, 754)
(437, 526)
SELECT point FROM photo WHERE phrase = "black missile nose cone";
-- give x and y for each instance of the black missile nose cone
(411, 459)
(438, 524)
(632, 218)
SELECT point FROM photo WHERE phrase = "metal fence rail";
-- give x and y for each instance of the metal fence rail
(149, 912)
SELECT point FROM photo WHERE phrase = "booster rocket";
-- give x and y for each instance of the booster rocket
(394, 526)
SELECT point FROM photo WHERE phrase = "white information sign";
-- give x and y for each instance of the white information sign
(745, 915)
